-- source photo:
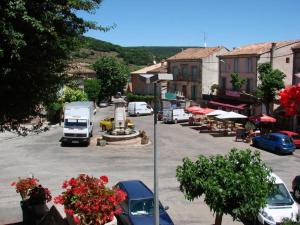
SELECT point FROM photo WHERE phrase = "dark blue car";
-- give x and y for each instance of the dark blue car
(275, 142)
(138, 208)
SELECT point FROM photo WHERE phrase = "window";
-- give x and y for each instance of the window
(194, 92)
(184, 71)
(223, 83)
(287, 59)
(194, 72)
(249, 85)
(236, 65)
(250, 65)
(175, 72)
(175, 87)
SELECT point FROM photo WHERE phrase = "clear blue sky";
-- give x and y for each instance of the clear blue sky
(231, 23)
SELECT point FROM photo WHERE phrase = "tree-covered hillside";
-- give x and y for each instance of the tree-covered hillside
(91, 49)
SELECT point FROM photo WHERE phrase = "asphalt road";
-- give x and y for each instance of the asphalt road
(43, 156)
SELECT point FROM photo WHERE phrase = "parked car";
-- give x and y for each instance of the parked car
(175, 115)
(138, 208)
(275, 142)
(103, 104)
(139, 108)
(280, 204)
(296, 187)
(107, 123)
(295, 137)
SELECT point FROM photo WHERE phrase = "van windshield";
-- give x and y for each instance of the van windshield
(143, 207)
(280, 196)
(75, 123)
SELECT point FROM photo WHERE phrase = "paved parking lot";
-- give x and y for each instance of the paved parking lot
(43, 156)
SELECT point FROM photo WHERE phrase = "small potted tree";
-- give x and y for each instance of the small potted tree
(87, 200)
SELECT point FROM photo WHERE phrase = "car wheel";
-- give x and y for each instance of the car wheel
(175, 121)
(297, 193)
(255, 144)
(137, 114)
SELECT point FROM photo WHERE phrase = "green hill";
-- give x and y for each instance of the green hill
(91, 49)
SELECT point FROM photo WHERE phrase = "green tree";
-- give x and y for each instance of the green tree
(228, 183)
(36, 40)
(237, 81)
(73, 95)
(112, 74)
(92, 88)
(271, 81)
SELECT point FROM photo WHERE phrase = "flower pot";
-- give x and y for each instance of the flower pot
(33, 213)
(71, 221)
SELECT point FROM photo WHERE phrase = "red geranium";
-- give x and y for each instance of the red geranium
(25, 185)
(290, 99)
(89, 201)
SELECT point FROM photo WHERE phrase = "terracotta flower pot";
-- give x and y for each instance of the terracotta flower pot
(71, 221)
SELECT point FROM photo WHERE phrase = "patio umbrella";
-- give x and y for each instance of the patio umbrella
(193, 108)
(231, 115)
(216, 112)
(263, 118)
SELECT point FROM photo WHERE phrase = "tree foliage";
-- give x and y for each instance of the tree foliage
(36, 39)
(73, 95)
(271, 81)
(228, 182)
(237, 81)
(140, 98)
(112, 74)
(92, 88)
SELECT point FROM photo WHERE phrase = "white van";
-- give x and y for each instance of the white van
(139, 108)
(78, 122)
(280, 204)
(175, 115)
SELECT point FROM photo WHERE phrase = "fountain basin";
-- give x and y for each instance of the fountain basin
(114, 138)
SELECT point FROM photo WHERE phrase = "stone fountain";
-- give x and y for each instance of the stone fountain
(120, 131)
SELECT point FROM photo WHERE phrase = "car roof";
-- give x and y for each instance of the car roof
(136, 189)
(278, 135)
(288, 132)
(277, 179)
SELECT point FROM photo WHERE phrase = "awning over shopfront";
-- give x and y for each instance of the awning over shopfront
(228, 106)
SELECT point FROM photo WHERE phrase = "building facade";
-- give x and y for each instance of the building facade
(194, 71)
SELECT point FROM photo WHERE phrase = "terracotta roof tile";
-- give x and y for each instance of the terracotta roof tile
(257, 49)
(151, 69)
(194, 53)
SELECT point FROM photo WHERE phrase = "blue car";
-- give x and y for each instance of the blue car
(138, 208)
(275, 142)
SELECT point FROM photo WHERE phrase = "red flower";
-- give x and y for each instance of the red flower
(104, 179)
(76, 219)
(24, 185)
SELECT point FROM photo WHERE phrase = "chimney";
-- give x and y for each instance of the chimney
(272, 53)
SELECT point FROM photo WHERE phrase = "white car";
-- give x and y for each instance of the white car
(280, 205)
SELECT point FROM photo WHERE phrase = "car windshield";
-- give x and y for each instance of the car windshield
(287, 140)
(280, 196)
(143, 207)
(75, 123)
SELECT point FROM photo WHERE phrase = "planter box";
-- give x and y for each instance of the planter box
(71, 221)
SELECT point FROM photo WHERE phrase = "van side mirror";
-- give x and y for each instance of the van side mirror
(91, 123)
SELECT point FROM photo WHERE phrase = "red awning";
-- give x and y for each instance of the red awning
(229, 106)
(193, 108)
(203, 111)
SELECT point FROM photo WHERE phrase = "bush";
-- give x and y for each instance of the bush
(139, 98)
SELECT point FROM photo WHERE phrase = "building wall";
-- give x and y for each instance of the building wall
(210, 71)
(188, 80)
(139, 86)
(296, 66)
(284, 61)
(227, 67)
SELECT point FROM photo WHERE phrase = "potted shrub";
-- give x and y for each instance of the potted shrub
(34, 197)
(87, 200)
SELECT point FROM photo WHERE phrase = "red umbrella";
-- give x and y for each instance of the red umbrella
(203, 111)
(263, 118)
(193, 108)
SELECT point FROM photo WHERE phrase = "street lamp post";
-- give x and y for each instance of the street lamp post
(156, 78)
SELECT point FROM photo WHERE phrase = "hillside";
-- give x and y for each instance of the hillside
(92, 48)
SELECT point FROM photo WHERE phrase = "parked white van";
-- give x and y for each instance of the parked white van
(139, 108)
(175, 115)
(280, 205)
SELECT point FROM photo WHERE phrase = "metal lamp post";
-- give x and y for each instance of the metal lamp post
(156, 78)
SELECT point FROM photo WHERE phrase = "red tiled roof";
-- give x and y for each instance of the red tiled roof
(194, 53)
(257, 49)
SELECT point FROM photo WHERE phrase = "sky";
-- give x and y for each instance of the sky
(231, 23)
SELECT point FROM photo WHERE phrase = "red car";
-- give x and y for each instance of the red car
(293, 135)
